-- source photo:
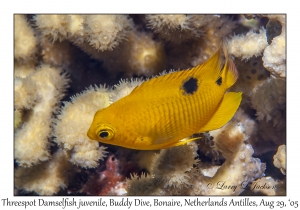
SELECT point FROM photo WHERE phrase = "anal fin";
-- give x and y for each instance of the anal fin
(178, 143)
(225, 112)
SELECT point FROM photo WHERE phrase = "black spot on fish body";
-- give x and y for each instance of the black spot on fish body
(190, 86)
(219, 81)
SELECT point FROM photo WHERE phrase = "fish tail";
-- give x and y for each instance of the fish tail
(229, 72)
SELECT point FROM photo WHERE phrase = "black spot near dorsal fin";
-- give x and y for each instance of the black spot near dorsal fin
(190, 86)
(219, 81)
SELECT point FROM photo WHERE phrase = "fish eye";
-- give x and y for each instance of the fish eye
(105, 133)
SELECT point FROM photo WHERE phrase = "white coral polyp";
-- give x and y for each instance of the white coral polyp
(25, 42)
(246, 46)
(53, 26)
(178, 28)
(104, 38)
(105, 32)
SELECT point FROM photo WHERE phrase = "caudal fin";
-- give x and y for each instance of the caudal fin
(225, 112)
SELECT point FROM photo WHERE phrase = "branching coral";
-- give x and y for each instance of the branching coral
(267, 118)
(31, 140)
(251, 73)
(60, 27)
(146, 57)
(57, 53)
(25, 41)
(171, 171)
(105, 32)
(184, 27)
(46, 178)
(175, 170)
(23, 70)
(70, 130)
(280, 159)
(75, 28)
(269, 100)
(139, 55)
(17, 118)
(124, 87)
(52, 26)
(193, 52)
(246, 46)
(26, 93)
(254, 44)
(239, 169)
(274, 56)
(180, 28)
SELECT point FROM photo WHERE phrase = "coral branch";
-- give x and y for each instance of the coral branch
(246, 46)
(25, 41)
(273, 93)
(105, 32)
(70, 130)
(274, 56)
(239, 169)
(31, 140)
(279, 159)
(46, 178)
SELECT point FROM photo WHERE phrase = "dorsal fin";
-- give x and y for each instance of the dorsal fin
(229, 73)
(167, 78)
(209, 70)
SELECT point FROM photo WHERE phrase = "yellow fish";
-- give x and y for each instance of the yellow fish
(164, 110)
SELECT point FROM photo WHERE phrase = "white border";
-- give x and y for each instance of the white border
(153, 6)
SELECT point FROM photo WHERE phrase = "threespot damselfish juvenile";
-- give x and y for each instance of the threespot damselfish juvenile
(163, 111)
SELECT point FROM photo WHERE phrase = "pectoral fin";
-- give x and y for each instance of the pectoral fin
(225, 112)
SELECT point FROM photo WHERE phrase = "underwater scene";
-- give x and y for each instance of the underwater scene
(150, 104)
